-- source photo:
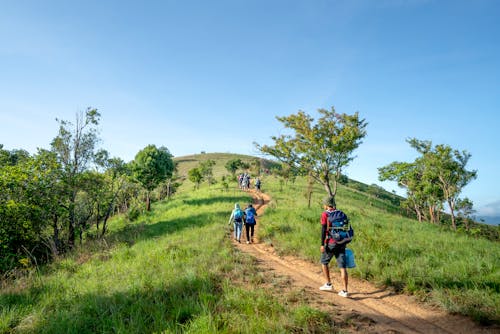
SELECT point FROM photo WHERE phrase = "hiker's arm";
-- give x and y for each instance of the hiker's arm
(343, 241)
(323, 234)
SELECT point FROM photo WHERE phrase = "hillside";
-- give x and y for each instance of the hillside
(176, 270)
(378, 196)
(185, 163)
(438, 266)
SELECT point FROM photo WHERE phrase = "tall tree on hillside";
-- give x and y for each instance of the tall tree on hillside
(322, 148)
(408, 176)
(74, 147)
(438, 175)
(151, 166)
(233, 165)
(195, 176)
(448, 167)
(206, 169)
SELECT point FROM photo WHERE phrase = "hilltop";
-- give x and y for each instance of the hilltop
(185, 163)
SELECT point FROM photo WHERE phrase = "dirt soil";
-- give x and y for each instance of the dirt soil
(369, 309)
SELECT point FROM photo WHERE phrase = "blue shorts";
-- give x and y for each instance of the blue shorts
(339, 255)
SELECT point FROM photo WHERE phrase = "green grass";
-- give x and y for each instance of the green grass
(455, 271)
(172, 271)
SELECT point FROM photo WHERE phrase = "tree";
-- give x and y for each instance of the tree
(449, 168)
(438, 175)
(233, 165)
(195, 176)
(74, 147)
(151, 166)
(322, 149)
(464, 210)
(407, 176)
(206, 169)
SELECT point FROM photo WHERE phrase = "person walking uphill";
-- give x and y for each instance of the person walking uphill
(336, 233)
(250, 222)
(237, 218)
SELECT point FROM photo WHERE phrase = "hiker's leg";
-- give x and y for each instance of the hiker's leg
(247, 230)
(326, 273)
(345, 277)
(238, 229)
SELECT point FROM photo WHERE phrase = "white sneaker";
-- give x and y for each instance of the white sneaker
(326, 287)
(343, 293)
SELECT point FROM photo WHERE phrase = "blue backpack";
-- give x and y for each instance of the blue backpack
(250, 219)
(238, 216)
(339, 227)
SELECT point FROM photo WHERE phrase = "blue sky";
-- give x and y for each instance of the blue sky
(212, 75)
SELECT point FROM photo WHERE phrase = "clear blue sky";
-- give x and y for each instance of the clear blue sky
(212, 75)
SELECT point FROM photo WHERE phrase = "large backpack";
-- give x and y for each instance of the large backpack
(339, 227)
(250, 219)
(238, 215)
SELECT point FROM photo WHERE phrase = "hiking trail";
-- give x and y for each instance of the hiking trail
(369, 309)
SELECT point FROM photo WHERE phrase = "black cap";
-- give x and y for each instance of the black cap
(330, 201)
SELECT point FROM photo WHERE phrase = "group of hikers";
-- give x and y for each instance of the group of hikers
(336, 233)
(244, 182)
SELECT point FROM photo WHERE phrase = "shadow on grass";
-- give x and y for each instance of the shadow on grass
(151, 309)
(242, 200)
(142, 231)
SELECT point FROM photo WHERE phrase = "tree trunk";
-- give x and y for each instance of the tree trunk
(57, 242)
(419, 214)
(452, 213)
(148, 202)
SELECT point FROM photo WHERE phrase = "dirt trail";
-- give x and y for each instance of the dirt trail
(369, 309)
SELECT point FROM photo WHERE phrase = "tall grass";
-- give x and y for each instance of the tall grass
(172, 271)
(458, 272)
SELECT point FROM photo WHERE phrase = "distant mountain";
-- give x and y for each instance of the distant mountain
(490, 220)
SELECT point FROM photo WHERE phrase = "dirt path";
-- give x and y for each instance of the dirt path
(369, 309)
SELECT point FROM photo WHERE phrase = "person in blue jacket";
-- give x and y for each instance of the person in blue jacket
(250, 222)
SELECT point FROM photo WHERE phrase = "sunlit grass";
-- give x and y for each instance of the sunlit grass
(172, 271)
(458, 272)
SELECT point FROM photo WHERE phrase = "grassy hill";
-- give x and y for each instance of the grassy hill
(174, 270)
(456, 271)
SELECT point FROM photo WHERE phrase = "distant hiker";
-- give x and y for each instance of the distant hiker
(336, 233)
(245, 182)
(257, 184)
(250, 222)
(240, 180)
(237, 217)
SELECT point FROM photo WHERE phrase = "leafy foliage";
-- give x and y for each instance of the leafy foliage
(151, 166)
(321, 149)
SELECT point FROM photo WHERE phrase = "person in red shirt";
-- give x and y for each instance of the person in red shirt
(331, 247)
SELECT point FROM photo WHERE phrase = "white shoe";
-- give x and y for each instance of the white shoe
(343, 293)
(248, 242)
(326, 287)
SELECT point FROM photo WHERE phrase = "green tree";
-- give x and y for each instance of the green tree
(438, 175)
(448, 167)
(29, 198)
(233, 165)
(75, 148)
(195, 176)
(151, 166)
(321, 149)
(206, 169)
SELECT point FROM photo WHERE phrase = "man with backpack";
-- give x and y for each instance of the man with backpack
(250, 222)
(336, 233)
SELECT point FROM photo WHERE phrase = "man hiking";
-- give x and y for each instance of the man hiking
(335, 235)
